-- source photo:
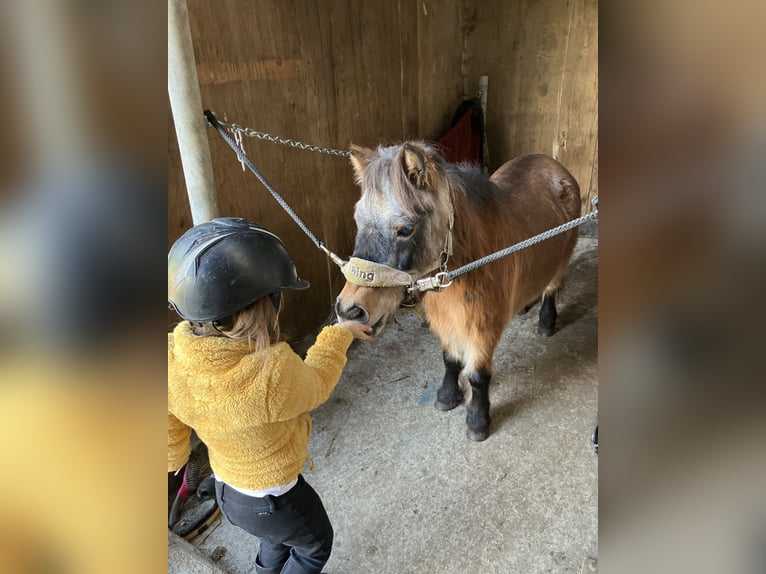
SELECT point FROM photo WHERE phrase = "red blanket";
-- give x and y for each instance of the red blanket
(464, 142)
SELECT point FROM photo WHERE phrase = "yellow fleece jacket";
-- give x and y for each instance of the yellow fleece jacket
(250, 409)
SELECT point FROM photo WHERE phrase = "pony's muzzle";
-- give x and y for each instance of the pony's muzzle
(351, 313)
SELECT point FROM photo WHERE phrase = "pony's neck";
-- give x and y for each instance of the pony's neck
(469, 224)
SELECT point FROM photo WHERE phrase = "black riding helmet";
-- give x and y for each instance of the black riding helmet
(221, 266)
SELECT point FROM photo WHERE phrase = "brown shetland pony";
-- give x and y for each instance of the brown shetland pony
(402, 217)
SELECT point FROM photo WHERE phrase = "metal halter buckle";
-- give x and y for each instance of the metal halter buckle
(436, 283)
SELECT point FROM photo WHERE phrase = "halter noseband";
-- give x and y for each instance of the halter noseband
(370, 274)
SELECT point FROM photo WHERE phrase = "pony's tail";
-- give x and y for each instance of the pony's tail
(569, 196)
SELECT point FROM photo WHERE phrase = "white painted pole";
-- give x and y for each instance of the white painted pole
(186, 105)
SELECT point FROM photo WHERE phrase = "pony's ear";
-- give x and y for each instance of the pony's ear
(360, 157)
(414, 165)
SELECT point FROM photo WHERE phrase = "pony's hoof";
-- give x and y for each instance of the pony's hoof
(440, 406)
(525, 309)
(478, 435)
(545, 331)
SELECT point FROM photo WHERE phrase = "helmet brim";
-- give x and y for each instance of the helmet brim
(298, 284)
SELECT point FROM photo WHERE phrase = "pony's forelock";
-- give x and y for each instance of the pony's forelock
(387, 167)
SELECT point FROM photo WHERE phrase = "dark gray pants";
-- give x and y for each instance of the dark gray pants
(293, 529)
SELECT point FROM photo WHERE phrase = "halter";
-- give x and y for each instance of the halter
(370, 274)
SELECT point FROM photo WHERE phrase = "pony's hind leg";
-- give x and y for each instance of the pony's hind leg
(547, 323)
(548, 315)
(449, 395)
(525, 309)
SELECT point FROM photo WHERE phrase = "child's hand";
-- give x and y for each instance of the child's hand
(358, 330)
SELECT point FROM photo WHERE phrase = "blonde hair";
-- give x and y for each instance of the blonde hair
(256, 324)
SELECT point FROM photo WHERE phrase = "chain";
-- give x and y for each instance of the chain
(238, 131)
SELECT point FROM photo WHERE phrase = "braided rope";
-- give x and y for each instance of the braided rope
(246, 161)
(452, 275)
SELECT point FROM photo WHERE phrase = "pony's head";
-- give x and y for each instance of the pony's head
(403, 219)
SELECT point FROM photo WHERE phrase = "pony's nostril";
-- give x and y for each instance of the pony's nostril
(356, 313)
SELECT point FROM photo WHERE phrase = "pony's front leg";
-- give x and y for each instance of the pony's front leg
(449, 395)
(477, 417)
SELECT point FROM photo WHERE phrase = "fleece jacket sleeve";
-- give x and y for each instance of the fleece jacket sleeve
(178, 443)
(301, 386)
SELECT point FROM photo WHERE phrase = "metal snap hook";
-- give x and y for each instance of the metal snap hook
(442, 280)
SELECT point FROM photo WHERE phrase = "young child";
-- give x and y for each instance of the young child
(245, 394)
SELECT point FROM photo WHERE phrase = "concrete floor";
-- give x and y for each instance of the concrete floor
(408, 492)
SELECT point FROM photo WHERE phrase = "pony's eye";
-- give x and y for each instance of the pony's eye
(405, 231)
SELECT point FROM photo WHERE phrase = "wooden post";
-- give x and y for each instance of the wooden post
(186, 106)
(483, 86)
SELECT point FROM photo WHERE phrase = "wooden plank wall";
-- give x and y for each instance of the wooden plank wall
(329, 73)
(368, 72)
(542, 61)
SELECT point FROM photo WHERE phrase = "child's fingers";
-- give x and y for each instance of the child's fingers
(365, 331)
(358, 330)
(365, 334)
